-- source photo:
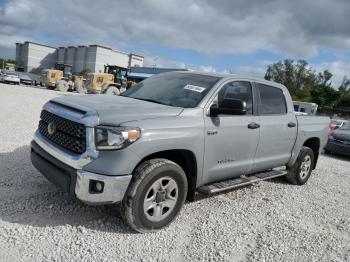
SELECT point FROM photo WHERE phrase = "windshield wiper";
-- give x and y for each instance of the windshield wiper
(148, 100)
(151, 100)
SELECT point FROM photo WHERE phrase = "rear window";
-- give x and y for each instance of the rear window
(272, 101)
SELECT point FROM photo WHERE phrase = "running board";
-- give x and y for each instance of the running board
(239, 182)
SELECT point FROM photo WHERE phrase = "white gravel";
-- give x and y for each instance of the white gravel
(270, 221)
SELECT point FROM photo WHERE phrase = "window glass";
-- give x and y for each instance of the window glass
(272, 100)
(237, 90)
(174, 89)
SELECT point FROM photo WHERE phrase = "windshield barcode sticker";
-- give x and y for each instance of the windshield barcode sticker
(198, 89)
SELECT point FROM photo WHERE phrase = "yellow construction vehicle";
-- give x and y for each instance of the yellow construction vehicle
(61, 79)
(49, 78)
(112, 81)
(102, 83)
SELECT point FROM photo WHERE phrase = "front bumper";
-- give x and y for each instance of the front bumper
(27, 82)
(338, 148)
(78, 182)
(9, 80)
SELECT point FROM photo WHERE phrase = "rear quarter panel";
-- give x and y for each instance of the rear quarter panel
(309, 127)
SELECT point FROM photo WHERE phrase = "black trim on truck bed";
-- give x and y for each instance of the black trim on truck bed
(54, 170)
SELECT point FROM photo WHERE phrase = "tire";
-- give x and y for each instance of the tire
(112, 90)
(145, 208)
(62, 86)
(78, 86)
(300, 172)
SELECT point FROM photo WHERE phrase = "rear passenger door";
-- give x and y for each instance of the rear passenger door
(278, 128)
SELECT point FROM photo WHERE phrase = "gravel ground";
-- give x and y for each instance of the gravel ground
(269, 221)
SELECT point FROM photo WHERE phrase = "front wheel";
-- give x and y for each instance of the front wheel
(62, 86)
(300, 172)
(112, 90)
(155, 195)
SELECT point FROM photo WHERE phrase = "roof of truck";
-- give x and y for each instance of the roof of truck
(233, 76)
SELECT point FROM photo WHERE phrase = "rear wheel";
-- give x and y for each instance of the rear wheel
(78, 86)
(62, 86)
(155, 195)
(112, 90)
(300, 172)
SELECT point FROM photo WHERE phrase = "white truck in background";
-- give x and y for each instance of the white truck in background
(305, 108)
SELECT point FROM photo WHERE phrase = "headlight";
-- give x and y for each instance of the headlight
(114, 138)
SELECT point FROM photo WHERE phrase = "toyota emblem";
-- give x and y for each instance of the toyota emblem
(51, 128)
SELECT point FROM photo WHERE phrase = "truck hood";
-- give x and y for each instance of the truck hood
(116, 110)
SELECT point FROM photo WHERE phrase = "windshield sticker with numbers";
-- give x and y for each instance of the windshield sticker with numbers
(198, 89)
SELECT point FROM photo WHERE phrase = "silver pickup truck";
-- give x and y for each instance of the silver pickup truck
(171, 136)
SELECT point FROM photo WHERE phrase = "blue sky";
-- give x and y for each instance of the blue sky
(236, 36)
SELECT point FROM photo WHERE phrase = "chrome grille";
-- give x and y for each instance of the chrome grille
(68, 134)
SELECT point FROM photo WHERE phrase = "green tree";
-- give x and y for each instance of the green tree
(297, 77)
(305, 84)
(322, 91)
(344, 93)
(4, 61)
(85, 71)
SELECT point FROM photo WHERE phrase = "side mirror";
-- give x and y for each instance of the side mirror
(229, 106)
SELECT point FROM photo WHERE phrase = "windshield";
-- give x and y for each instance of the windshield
(345, 126)
(173, 89)
(11, 74)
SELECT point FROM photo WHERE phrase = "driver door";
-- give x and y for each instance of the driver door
(230, 142)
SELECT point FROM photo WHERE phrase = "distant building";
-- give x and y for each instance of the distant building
(33, 57)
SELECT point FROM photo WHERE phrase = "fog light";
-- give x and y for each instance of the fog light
(96, 186)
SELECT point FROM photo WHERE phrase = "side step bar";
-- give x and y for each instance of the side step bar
(239, 182)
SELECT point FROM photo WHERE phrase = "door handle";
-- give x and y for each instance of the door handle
(253, 125)
(292, 124)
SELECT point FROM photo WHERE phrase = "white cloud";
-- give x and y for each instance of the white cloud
(152, 60)
(210, 27)
(258, 70)
(206, 68)
(339, 69)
